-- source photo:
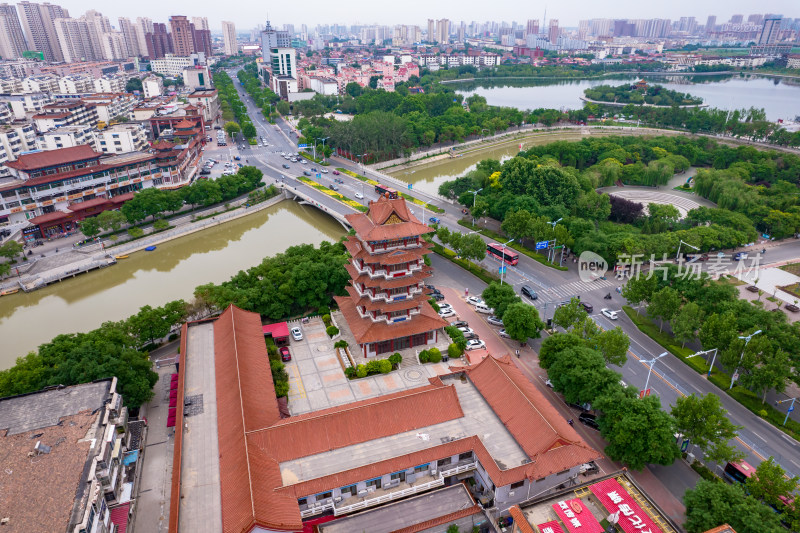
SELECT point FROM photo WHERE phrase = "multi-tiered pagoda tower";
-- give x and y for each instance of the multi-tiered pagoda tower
(387, 309)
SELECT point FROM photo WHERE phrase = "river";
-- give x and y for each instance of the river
(171, 272)
(779, 98)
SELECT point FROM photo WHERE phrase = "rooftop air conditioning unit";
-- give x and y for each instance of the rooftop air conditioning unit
(362, 493)
(433, 472)
(371, 490)
(510, 494)
(337, 499)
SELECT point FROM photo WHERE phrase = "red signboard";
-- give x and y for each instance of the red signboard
(616, 499)
(550, 527)
(576, 517)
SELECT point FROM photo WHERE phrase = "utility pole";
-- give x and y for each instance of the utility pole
(746, 341)
(652, 363)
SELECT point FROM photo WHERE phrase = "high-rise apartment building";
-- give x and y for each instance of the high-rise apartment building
(770, 30)
(201, 41)
(443, 31)
(229, 38)
(462, 32)
(273, 38)
(756, 19)
(182, 35)
(144, 25)
(40, 30)
(159, 43)
(711, 24)
(77, 40)
(737, 19)
(554, 31)
(532, 27)
(431, 31)
(200, 23)
(130, 38)
(12, 38)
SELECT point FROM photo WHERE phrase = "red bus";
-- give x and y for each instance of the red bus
(738, 472)
(386, 191)
(507, 256)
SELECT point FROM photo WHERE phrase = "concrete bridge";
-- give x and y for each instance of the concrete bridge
(306, 195)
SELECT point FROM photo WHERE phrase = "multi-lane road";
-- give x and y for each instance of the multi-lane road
(671, 378)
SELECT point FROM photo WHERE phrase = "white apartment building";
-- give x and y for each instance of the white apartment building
(196, 76)
(172, 65)
(40, 84)
(108, 106)
(121, 138)
(78, 84)
(230, 46)
(14, 140)
(152, 86)
(326, 86)
(66, 137)
(110, 84)
(10, 85)
(208, 101)
(22, 104)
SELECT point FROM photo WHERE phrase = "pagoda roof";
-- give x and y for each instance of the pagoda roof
(163, 145)
(365, 330)
(185, 125)
(384, 283)
(387, 219)
(383, 305)
(393, 257)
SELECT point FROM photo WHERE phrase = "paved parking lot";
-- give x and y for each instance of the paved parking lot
(317, 380)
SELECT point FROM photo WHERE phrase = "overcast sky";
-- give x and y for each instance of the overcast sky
(247, 13)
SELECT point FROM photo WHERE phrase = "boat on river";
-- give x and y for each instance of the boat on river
(9, 291)
(120, 257)
(149, 248)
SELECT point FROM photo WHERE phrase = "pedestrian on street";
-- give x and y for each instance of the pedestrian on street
(570, 422)
(517, 352)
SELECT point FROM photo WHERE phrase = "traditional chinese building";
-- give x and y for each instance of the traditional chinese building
(387, 309)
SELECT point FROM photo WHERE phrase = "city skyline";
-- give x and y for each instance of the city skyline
(416, 12)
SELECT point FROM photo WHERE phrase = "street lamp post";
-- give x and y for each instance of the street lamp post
(687, 244)
(474, 199)
(323, 146)
(791, 407)
(713, 358)
(652, 363)
(553, 253)
(746, 341)
(503, 260)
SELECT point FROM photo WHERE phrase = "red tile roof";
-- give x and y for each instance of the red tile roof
(366, 331)
(54, 158)
(395, 257)
(387, 219)
(354, 423)
(551, 443)
(246, 402)
(94, 202)
(442, 520)
(53, 216)
(392, 283)
(520, 520)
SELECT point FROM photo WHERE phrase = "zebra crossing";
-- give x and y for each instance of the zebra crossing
(575, 288)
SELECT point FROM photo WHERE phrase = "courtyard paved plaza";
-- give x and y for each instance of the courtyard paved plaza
(317, 380)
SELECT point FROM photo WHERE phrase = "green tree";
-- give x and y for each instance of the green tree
(90, 227)
(553, 345)
(469, 246)
(499, 297)
(522, 322)
(152, 323)
(283, 107)
(664, 305)
(770, 484)
(711, 504)
(637, 430)
(704, 421)
(248, 130)
(639, 289)
(581, 375)
(613, 344)
(10, 249)
(718, 331)
(232, 128)
(111, 220)
(570, 315)
(687, 322)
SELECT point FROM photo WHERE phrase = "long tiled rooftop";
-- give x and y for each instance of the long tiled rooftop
(479, 419)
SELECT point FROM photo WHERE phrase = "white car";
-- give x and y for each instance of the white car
(549, 383)
(445, 305)
(323, 171)
(359, 196)
(297, 334)
(474, 300)
(493, 320)
(302, 161)
(465, 329)
(475, 344)
(448, 312)
(504, 333)
(609, 314)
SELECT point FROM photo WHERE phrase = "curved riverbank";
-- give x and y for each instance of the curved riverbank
(623, 104)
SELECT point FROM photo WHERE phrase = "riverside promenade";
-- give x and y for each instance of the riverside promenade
(40, 272)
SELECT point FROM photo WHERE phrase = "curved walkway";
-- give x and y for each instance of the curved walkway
(684, 202)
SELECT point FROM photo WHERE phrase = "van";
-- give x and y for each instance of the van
(483, 308)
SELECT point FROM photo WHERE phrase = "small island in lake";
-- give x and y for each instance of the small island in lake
(640, 93)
